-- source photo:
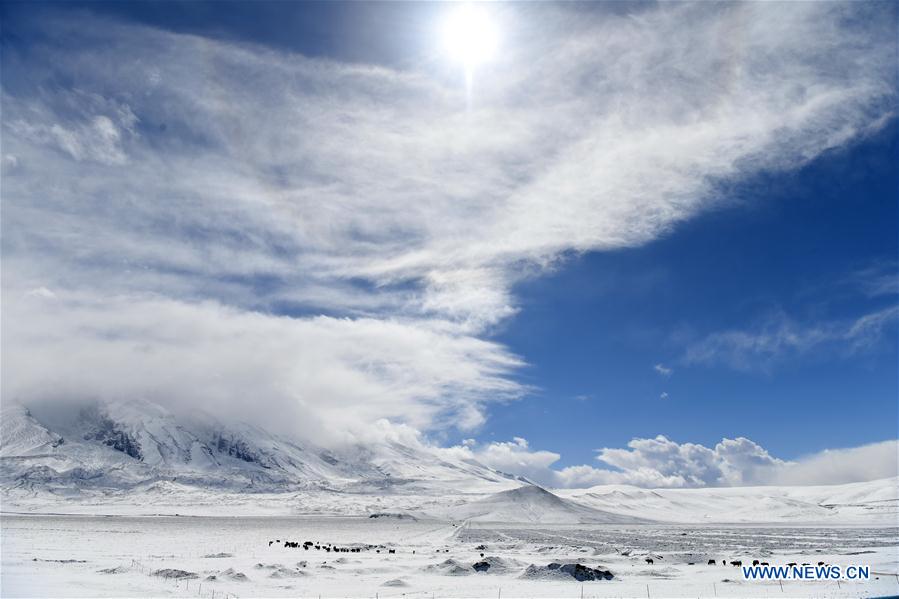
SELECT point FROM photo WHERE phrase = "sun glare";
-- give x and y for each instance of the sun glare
(469, 36)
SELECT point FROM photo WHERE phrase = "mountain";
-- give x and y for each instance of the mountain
(532, 504)
(138, 457)
(72, 447)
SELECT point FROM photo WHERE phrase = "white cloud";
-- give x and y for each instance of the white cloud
(41, 292)
(855, 464)
(188, 187)
(660, 462)
(96, 132)
(512, 457)
(663, 395)
(781, 337)
(731, 462)
(663, 370)
(516, 457)
(318, 376)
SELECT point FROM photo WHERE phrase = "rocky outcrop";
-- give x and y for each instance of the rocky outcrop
(104, 429)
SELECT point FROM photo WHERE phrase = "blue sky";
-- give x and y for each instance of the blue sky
(639, 220)
(804, 245)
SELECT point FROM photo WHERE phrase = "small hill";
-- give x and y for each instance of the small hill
(532, 504)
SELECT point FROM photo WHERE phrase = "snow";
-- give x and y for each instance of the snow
(22, 435)
(874, 502)
(530, 504)
(107, 447)
(104, 556)
(132, 500)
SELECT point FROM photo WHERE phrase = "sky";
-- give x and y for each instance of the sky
(651, 244)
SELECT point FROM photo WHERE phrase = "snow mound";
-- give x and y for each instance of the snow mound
(175, 573)
(287, 573)
(496, 565)
(229, 574)
(449, 567)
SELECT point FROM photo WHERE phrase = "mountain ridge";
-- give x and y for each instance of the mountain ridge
(95, 445)
(128, 455)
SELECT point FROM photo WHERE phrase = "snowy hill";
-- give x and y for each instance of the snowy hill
(121, 445)
(532, 504)
(874, 502)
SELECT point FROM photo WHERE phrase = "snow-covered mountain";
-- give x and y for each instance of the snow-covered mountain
(127, 455)
(120, 445)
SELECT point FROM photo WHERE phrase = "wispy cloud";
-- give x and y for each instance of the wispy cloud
(780, 337)
(878, 280)
(187, 189)
(663, 370)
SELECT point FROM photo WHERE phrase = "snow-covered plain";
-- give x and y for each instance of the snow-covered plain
(131, 500)
(115, 556)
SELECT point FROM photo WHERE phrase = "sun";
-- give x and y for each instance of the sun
(469, 36)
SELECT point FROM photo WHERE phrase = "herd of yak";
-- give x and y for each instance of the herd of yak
(307, 545)
(737, 563)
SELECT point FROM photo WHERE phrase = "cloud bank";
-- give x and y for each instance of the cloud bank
(205, 222)
(661, 462)
(315, 376)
